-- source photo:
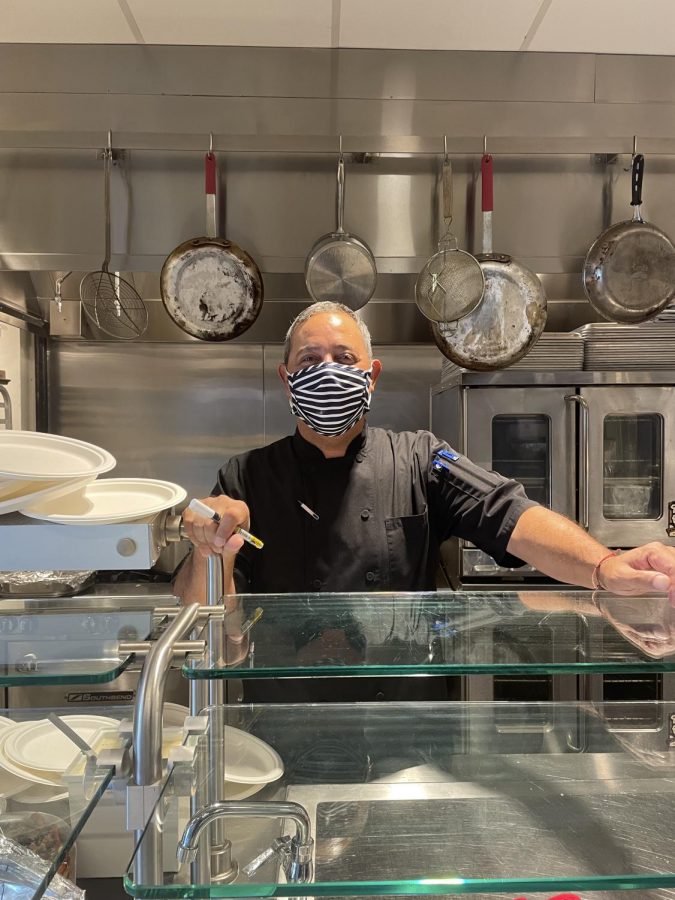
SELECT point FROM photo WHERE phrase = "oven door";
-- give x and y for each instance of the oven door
(631, 436)
(526, 433)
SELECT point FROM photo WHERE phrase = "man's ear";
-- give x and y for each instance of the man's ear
(283, 374)
(376, 368)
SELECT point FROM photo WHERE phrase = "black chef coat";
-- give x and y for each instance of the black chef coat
(382, 513)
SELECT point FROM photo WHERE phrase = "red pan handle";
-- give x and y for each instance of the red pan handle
(210, 188)
(210, 173)
(487, 195)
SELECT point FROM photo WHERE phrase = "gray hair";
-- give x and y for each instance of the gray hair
(326, 306)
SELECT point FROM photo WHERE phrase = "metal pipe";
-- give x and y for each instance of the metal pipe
(143, 648)
(265, 809)
(215, 787)
(147, 739)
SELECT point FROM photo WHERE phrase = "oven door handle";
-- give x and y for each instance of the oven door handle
(583, 475)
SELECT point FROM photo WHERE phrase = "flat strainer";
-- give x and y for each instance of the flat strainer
(451, 284)
(110, 302)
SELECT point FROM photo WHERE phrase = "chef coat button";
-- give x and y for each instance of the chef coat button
(359, 457)
(365, 514)
(317, 584)
(370, 576)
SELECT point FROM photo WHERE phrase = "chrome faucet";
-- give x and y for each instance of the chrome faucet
(295, 853)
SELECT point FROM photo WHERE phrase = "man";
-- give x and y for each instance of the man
(341, 506)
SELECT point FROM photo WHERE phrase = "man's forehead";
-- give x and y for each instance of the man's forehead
(328, 329)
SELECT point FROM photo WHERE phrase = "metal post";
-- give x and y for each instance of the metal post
(221, 866)
(147, 739)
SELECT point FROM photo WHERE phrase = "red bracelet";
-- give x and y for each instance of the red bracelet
(595, 575)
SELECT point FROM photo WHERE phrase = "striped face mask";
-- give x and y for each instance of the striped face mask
(330, 397)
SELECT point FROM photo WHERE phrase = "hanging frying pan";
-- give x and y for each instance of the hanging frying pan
(629, 272)
(341, 266)
(512, 314)
(211, 288)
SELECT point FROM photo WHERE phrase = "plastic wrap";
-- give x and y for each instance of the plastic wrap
(21, 872)
(43, 584)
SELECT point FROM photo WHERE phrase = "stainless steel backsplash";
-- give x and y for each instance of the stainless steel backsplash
(179, 411)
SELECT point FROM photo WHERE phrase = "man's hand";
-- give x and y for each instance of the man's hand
(210, 538)
(639, 571)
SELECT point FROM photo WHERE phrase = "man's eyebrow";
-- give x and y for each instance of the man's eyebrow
(319, 347)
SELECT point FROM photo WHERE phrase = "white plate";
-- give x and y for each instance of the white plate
(41, 747)
(248, 760)
(39, 794)
(236, 791)
(36, 456)
(108, 501)
(29, 775)
(25, 493)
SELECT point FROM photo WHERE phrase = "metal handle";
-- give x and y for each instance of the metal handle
(637, 173)
(583, 457)
(210, 188)
(107, 157)
(340, 196)
(72, 735)
(279, 847)
(447, 191)
(487, 201)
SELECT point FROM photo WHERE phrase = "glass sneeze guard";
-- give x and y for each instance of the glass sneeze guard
(452, 633)
(74, 647)
(444, 799)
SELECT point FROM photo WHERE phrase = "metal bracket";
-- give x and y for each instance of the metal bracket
(141, 801)
(605, 159)
(670, 529)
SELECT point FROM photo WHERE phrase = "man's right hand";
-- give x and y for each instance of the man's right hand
(208, 537)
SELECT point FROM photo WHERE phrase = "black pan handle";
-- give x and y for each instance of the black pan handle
(637, 174)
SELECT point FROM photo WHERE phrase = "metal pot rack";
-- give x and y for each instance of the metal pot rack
(359, 146)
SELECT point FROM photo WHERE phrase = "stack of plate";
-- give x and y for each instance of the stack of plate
(609, 346)
(35, 755)
(553, 352)
(53, 478)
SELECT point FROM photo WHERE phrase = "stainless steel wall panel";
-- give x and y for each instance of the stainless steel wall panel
(167, 411)
(635, 79)
(297, 72)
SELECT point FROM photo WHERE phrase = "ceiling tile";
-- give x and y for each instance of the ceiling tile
(436, 24)
(260, 23)
(608, 26)
(64, 22)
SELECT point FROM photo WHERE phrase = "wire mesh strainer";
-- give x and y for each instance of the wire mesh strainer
(110, 302)
(451, 283)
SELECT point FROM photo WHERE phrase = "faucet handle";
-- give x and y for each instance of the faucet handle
(280, 847)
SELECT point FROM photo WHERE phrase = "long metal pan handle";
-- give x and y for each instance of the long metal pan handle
(487, 200)
(340, 196)
(210, 188)
(583, 457)
(447, 191)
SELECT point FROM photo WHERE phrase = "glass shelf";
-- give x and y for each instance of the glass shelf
(445, 798)
(47, 818)
(533, 632)
(74, 647)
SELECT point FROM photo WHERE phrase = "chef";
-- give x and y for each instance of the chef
(342, 506)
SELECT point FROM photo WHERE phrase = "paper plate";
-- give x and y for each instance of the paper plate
(36, 456)
(236, 791)
(10, 784)
(41, 748)
(108, 501)
(248, 760)
(25, 493)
